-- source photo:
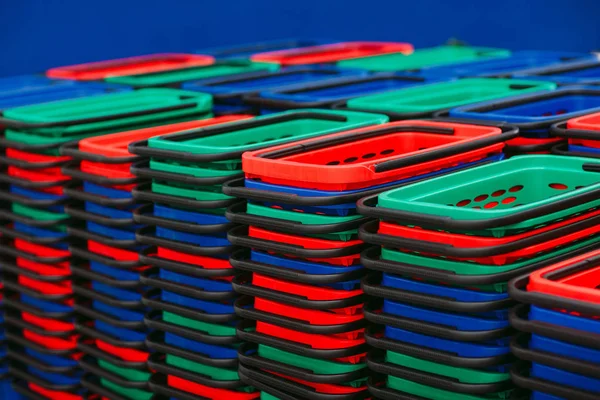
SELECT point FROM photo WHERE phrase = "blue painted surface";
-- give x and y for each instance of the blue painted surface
(38, 34)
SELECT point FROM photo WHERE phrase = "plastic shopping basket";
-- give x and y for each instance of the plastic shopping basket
(388, 153)
(330, 53)
(574, 73)
(215, 146)
(232, 89)
(424, 57)
(426, 100)
(326, 94)
(129, 66)
(488, 196)
(534, 114)
(503, 66)
(75, 119)
(176, 77)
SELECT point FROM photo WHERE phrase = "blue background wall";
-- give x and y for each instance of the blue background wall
(37, 34)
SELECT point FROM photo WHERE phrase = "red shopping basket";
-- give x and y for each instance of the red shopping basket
(33, 158)
(39, 250)
(444, 244)
(54, 394)
(199, 261)
(581, 131)
(49, 324)
(310, 292)
(58, 269)
(62, 288)
(315, 341)
(52, 343)
(329, 53)
(577, 278)
(112, 252)
(47, 175)
(313, 317)
(124, 353)
(372, 156)
(100, 155)
(129, 66)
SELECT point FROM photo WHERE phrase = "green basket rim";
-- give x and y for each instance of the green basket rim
(464, 375)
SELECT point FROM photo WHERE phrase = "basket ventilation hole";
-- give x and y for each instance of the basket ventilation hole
(333, 163)
(508, 200)
(516, 188)
(369, 155)
(579, 187)
(386, 152)
(481, 197)
(491, 204)
(463, 203)
(477, 208)
(558, 186)
(350, 160)
(498, 193)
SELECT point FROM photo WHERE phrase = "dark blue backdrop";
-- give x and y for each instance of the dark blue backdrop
(37, 34)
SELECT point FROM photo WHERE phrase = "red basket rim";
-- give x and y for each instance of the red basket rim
(33, 157)
(313, 317)
(362, 174)
(112, 252)
(125, 354)
(53, 394)
(45, 287)
(333, 52)
(47, 323)
(185, 258)
(51, 342)
(564, 287)
(304, 241)
(129, 66)
(115, 144)
(310, 292)
(39, 250)
(39, 175)
(458, 240)
(316, 341)
(589, 122)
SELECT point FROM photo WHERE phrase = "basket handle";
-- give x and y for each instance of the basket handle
(508, 132)
(71, 149)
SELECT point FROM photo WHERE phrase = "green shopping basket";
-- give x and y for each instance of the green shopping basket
(509, 196)
(316, 366)
(208, 328)
(104, 114)
(428, 57)
(465, 375)
(215, 373)
(130, 374)
(130, 393)
(424, 100)
(231, 140)
(294, 222)
(176, 77)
